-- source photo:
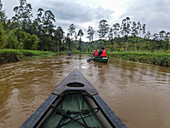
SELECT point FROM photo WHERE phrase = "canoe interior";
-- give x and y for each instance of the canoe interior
(74, 106)
(74, 94)
(101, 59)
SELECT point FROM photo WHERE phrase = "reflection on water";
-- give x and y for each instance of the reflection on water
(138, 93)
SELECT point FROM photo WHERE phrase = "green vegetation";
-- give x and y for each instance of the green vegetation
(22, 31)
(14, 55)
(144, 57)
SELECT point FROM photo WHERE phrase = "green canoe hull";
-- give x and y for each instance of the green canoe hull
(74, 103)
(101, 59)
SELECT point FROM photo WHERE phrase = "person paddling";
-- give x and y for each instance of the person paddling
(95, 53)
(102, 52)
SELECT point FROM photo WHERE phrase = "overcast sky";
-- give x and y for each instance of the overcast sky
(83, 13)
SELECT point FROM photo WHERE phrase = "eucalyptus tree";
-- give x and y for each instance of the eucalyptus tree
(167, 41)
(68, 42)
(0, 5)
(48, 22)
(134, 31)
(75, 35)
(103, 28)
(168, 36)
(90, 33)
(48, 29)
(23, 14)
(116, 29)
(110, 34)
(38, 22)
(125, 29)
(59, 35)
(80, 34)
(139, 27)
(3, 37)
(144, 29)
(148, 35)
(71, 29)
(155, 37)
(2, 14)
(44, 28)
(162, 35)
(3, 19)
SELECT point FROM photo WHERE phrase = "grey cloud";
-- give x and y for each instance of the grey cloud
(70, 12)
(77, 13)
(154, 13)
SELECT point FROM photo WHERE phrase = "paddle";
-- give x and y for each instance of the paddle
(90, 59)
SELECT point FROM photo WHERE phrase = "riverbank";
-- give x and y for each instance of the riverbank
(14, 55)
(162, 59)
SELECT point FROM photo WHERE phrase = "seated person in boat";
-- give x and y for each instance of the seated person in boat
(102, 52)
(95, 52)
(69, 53)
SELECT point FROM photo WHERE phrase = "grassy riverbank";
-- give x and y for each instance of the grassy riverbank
(162, 59)
(14, 55)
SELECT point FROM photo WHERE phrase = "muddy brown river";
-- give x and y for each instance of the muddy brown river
(138, 93)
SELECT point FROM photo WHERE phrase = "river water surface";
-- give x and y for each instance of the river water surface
(138, 93)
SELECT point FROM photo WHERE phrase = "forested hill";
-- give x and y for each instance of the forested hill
(23, 31)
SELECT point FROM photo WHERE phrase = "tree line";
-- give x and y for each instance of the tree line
(24, 32)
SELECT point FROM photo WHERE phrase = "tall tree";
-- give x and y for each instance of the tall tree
(0, 5)
(44, 27)
(23, 14)
(144, 29)
(59, 34)
(148, 35)
(134, 31)
(125, 29)
(68, 42)
(103, 28)
(90, 33)
(3, 17)
(110, 34)
(71, 29)
(116, 29)
(155, 36)
(3, 37)
(139, 27)
(162, 35)
(80, 34)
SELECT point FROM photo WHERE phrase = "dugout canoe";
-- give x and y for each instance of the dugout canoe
(101, 59)
(74, 103)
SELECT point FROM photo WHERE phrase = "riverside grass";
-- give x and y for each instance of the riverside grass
(162, 59)
(14, 55)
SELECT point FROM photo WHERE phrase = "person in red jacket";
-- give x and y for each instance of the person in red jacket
(102, 52)
(95, 53)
